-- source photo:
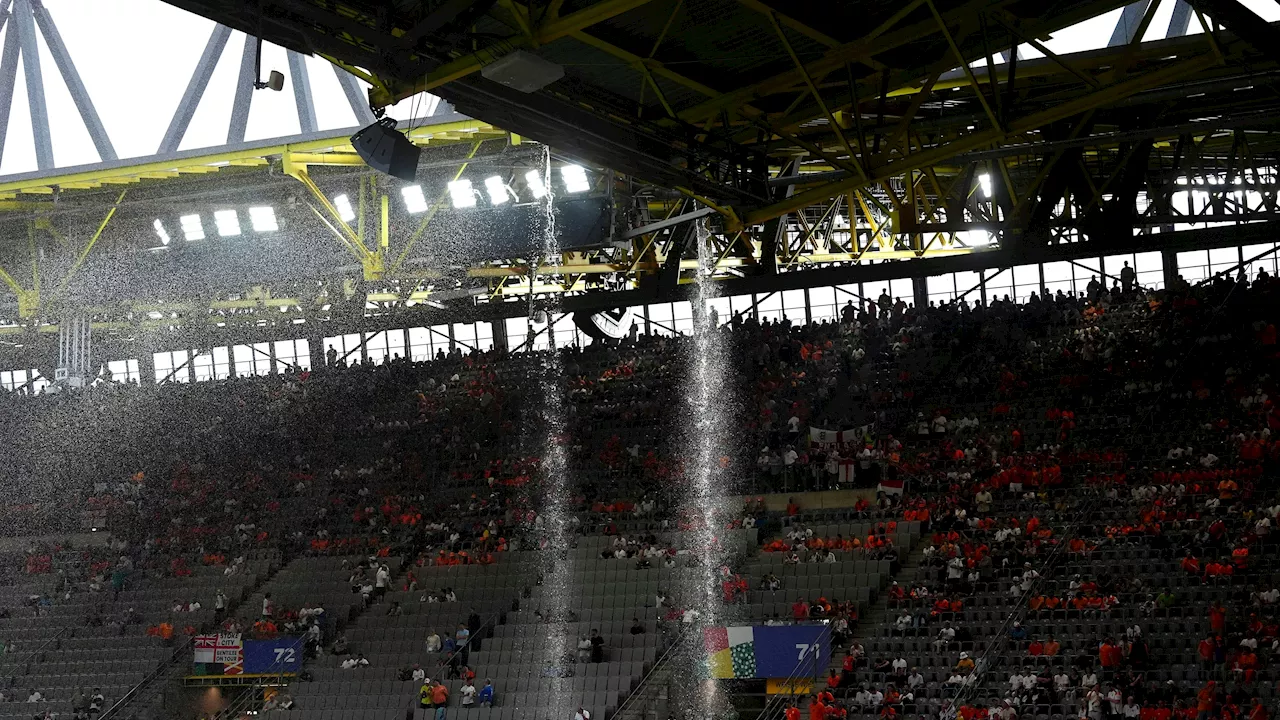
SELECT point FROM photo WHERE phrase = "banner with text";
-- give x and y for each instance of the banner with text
(268, 657)
(765, 651)
(831, 438)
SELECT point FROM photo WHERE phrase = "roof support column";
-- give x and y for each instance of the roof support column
(195, 89)
(26, 27)
(302, 92)
(244, 92)
(71, 76)
(8, 74)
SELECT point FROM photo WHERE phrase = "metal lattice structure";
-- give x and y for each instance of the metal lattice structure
(821, 144)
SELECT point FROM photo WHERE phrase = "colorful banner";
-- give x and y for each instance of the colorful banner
(765, 651)
(223, 649)
(831, 438)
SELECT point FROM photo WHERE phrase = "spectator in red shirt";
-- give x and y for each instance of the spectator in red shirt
(800, 611)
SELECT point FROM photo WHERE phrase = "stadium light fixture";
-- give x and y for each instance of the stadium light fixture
(161, 232)
(414, 202)
(228, 222)
(497, 190)
(192, 228)
(537, 188)
(575, 178)
(263, 219)
(342, 204)
(984, 180)
(461, 194)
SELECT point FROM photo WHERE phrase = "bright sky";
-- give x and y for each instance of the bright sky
(136, 57)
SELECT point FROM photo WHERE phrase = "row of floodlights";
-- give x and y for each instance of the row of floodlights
(227, 222)
(461, 195)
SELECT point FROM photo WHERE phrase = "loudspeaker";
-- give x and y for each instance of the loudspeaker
(385, 149)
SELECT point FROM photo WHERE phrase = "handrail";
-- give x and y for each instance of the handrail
(22, 658)
(680, 639)
(125, 699)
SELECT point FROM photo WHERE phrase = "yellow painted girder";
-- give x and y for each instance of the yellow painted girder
(466, 130)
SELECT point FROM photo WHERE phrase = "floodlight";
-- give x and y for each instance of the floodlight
(575, 178)
(984, 180)
(161, 232)
(343, 205)
(263, 219)
(414, 202)
(497, 190)
(461, 194)
(228, 222)
(192, 228)
(537, 188)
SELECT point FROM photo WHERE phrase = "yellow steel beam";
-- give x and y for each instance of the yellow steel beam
(817, 96)
(984, 138)
(858, 51)
(790, 22)
(692, 264)
(328, 151)
(93, 240)
(431, 212)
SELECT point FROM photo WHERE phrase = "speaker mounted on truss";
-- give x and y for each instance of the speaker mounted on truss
(384, 148)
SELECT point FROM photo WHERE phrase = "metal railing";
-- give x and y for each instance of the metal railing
(118, 706)
(681, 639)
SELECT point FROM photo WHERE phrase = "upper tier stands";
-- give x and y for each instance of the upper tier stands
(1062, 461)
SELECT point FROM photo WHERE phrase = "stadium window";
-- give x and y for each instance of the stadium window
(517, 334)
(822, 304)
(202, 366)
(172, 366)
(542, 335)
(998, 284)
(682, 317)
(1193, 266)
(871, 291)
(742, 306)
(769, 306)
(13, 379)
(38, 382)
(375, 347)
(1224, 260)
(660, 319)
(484, 336)
(966, 281)
(295, 354)
(252, 359)
(1085, 269)
(1266, 262)
(1150, 269)
(124, 370)
(1058, 278)
(902, 289)
(396, 344)
(721, 307)
(464, 337)
(942, 288)
(794, 307)
(419, 344)
(566, 333)
(1026, 280)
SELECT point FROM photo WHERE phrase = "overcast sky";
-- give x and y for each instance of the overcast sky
(136, 57)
